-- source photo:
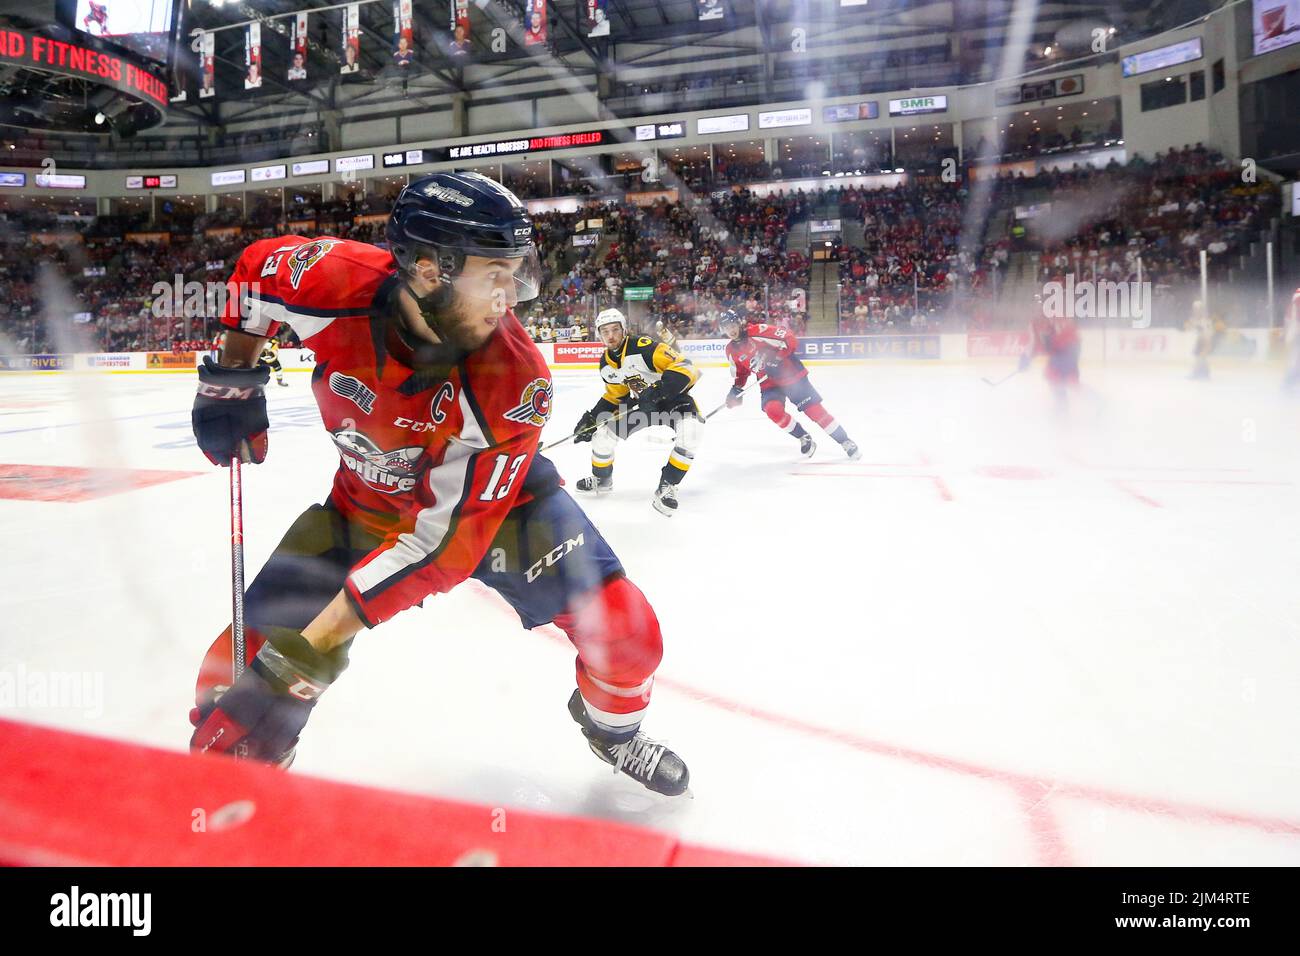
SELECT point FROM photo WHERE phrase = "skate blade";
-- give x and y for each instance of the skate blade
(663, 509)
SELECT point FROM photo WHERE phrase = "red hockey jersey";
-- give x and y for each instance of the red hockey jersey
(431, 462)
(1052, 336)
(769, 352)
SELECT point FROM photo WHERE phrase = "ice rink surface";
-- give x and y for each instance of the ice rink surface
(1006, 636)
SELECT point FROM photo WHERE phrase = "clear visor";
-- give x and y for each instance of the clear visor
(500, 283)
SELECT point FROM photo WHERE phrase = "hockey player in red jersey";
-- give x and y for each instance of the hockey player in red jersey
(435, 398)
(768, 352)
(1058, 339)
(1291, 340)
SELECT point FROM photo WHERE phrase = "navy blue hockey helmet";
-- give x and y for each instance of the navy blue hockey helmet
(449, 216)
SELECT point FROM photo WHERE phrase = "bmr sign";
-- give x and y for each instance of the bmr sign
(918, 104)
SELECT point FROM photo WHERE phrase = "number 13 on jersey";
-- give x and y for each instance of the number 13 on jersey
(496, 488)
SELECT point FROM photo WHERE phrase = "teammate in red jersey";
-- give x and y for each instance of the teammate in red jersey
(435, 398)
(1292, 342)
(1058, 339)
(768, 351)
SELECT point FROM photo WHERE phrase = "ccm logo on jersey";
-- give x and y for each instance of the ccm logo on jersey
(534, 404)
(554, 555)
(446, 393)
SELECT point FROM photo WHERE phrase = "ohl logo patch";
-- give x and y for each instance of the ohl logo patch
(304, 257)
(534, 404)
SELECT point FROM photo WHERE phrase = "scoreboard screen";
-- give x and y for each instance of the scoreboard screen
(143, 26)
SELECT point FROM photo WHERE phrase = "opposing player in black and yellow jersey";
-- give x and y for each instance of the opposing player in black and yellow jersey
(271, 356)
(646, 383)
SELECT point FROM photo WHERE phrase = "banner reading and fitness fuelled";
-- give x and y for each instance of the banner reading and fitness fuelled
(207, 65)
(597, 18)
(459, 28)
(351, 39)
(403, 35)
(535, 22)
(253, 57)
(298, 48)
(710, 9)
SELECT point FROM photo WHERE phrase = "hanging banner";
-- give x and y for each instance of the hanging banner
(597, 18)
(207, 65)
(253, 56)
(459, 28)
(710, 9)
(351, 39)
(403, 35)
(298, 47)
(535, 23)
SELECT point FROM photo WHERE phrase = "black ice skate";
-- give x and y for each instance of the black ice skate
(851, 449)
(601, 486)
(646, 761)
(665, 499)
(280, 381)
(807, 446)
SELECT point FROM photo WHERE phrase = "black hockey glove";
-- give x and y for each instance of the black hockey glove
(587, 426)
(229, 415)
(735, 396)
(651, 397)
(261, 716)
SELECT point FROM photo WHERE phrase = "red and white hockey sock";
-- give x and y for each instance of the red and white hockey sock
(619, 647)
(826, 421)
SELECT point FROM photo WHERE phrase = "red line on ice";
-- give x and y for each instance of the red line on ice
(1123, 486)
(1049, 843)
(1033, 792)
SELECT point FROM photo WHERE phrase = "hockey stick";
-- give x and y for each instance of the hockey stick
(621, 415)
(239, 648)
(724, 404)
(1004, 378)
(238, 643)
(609, 421)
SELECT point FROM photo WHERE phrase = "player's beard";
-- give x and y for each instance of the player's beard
(464, 323)
(454, 319)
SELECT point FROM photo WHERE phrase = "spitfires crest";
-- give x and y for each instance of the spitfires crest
(534, 406)
(388, 472)
(306, 256)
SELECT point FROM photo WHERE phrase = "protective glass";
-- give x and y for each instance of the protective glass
(500, 282)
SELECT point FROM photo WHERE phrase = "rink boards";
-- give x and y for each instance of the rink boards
(1099, 345)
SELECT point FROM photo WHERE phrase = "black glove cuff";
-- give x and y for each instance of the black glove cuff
(291, 661)
(217, 381)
